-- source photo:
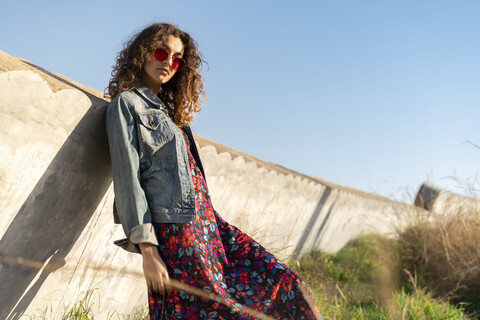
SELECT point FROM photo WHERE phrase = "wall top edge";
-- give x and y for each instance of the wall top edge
(221, 148)
(55, 81)
(59, 82)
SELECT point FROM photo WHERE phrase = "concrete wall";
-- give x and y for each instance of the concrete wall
(440, 201)
(288, 212)
(56, 200)
(56, 197)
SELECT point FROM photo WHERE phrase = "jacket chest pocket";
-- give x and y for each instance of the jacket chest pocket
(154, 128)
(158, 176)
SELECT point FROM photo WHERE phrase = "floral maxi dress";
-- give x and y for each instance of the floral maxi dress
(218, 258)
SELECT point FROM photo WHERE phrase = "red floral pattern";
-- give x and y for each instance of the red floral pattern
(212, 255)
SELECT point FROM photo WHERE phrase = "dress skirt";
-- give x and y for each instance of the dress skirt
(212, 255)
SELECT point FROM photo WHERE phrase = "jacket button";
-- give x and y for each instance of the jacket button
(151, 122)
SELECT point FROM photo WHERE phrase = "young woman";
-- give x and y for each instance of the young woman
(162, 200)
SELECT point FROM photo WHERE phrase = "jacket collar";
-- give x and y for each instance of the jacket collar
(148, 94)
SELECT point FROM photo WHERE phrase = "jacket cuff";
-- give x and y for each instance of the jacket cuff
(143, 233)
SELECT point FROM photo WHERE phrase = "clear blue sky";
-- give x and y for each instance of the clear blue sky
(375, 95)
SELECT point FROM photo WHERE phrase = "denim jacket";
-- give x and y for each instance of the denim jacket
(151, 174)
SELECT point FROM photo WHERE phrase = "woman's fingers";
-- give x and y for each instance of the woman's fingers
(159, 284)
(154, 283)
(165, 277)
(156, 286)
(167, 285)
(154, 269)
(149, 283)
(163, 284)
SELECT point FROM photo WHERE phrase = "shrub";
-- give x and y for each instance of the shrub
(444, 253)
(361, 281)
(354, 283)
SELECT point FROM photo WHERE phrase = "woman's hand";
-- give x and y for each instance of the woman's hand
(154, 269)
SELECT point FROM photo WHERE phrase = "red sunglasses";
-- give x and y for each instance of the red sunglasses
(162, 54)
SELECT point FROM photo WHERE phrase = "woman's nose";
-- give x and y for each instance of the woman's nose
(168, 61)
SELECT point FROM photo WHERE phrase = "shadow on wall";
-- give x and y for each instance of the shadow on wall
(57, 210)
(300, 248)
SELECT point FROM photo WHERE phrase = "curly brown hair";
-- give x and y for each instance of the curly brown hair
(183, 91)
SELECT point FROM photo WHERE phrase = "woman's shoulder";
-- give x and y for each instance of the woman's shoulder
(127, 99)
(125, 96)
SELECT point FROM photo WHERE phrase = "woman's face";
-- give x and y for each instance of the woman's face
(157, 72)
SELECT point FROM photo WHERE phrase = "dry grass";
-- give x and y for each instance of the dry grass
(434, 259)
(361, 282)
(444, 253)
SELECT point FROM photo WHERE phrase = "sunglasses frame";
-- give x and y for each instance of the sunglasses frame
(162, 54)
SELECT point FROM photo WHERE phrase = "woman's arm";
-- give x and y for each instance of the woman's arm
(132, 207)
(130, 198)
(154, 269)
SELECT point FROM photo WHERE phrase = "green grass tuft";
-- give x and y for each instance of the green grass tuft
(364, 280)
(421, 305)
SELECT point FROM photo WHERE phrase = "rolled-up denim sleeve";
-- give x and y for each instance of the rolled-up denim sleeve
(132, 207)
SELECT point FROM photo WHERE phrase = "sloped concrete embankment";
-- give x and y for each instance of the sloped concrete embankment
(56, 199)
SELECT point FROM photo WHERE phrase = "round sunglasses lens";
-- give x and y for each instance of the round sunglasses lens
(178, 64)
(161, 54)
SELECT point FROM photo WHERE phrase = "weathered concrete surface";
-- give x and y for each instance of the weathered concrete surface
(56, 199)
(440, 201)
(288, 212)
